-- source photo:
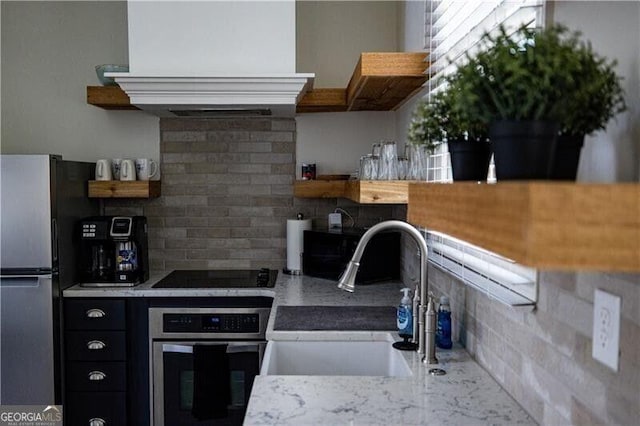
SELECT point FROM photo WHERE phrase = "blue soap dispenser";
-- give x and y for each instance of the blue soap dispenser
(443, 332)
(404, 316)
(404, 321)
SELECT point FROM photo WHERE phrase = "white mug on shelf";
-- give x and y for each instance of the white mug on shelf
(103, 169)
(146, 168)
(116, 163)
(127, 170)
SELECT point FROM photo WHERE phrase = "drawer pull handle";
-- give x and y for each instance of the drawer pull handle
(97, 421)
(96, 313)
(97, 376)
(96, 345)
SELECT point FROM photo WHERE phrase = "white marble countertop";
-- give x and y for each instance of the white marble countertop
(145, 290)
(465, 395)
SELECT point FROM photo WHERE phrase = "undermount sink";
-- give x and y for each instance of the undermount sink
(334, 358)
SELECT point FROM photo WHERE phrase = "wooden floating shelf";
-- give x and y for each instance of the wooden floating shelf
(381, 81)
(546, 225)
(109, 97)
(323, 100)
(363, 192)
(124, 189)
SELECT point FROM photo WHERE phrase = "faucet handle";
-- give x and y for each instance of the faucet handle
(430, 331)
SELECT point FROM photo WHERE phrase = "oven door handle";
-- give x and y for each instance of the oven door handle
(232, 348)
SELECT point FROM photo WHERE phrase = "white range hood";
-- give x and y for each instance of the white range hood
(172, 96)
(200, 58)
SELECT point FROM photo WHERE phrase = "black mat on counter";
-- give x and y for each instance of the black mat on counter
(346, 318)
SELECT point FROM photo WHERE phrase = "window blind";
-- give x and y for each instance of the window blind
(494, 275)
(455, 27)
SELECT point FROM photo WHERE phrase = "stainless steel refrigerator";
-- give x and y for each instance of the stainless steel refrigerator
(41, 199)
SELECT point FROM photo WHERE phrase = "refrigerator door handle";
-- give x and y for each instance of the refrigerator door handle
(54, 239)
(7, 281)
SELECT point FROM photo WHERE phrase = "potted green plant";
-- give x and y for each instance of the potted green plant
(517, 85)
(425, 128)
(424, 136)
(596, 98)
(438, 120)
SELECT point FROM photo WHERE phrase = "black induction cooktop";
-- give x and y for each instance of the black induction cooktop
(224, 278)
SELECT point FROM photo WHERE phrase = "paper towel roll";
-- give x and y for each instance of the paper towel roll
(295, 234)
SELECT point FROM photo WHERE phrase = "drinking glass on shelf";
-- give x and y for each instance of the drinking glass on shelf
(368, 167)
(425, 154)
(375, 167)
(388, 167)
(418, 155)
(376, 149)
(408, 152)
(403, 168)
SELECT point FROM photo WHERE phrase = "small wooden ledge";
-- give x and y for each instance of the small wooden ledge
(323, 100)
(363, 192)
(124, 189)
(319, 188)
(109, 97)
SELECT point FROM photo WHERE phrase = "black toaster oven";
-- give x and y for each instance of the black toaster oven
(326, 254)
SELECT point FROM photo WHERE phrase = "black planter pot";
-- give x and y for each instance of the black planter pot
(523, 149)
(469, 160)
(567, 157)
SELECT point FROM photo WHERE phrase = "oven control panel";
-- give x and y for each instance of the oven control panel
(210, 323)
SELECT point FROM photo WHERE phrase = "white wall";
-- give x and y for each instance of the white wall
(49, 50)
(411, 38)
(330, 37)
(613, 27)
(336, 141)
(332, 34)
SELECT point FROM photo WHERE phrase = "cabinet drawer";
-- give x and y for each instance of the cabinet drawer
(81, 408)
(95, 314)
(96, 345)
(96, 376)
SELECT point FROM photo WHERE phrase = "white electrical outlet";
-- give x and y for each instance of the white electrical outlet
(606, 328)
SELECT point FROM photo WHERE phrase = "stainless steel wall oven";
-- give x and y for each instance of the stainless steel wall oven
(203, 362)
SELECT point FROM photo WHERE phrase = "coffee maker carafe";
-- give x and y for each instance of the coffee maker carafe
(113, 251)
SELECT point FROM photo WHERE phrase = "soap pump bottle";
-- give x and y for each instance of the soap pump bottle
(404, 322)
(404, 315)
(443, 330)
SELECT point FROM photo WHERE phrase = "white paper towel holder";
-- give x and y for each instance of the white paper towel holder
(287, 271)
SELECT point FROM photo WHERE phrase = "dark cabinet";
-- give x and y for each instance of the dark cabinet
(96, 376)
(96, 362)
(96, 345)
(96, 408)
(94, 314)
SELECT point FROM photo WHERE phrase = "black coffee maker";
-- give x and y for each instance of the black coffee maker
(113, 251)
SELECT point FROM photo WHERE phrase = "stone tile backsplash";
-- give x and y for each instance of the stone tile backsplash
(542, 357)
(227, 191)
